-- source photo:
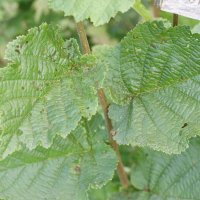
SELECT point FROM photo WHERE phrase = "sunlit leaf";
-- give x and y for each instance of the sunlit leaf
(140, 8)
(45, 91)
(100, 12)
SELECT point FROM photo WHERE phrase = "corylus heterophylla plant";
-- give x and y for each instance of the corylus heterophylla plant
(54, 137)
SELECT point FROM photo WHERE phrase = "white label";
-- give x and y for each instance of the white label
(187, 8)
(194, 1)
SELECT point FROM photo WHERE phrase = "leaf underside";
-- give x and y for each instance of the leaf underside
(64, 171)
(100, 12)
(46, 90)
(154, 78)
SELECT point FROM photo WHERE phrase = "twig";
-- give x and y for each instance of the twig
(175, 20)
(104, 105)
(155, 9)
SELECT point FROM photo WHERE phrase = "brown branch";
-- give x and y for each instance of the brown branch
(155, 9)
(175, 20)
(104, 105)
(1, 62)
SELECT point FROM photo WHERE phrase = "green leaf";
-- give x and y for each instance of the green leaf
(168, 176)
(140, 8)
(64, 171)
(196, 28)
(156, 72)
(100, 52)
(105, 192)
(100, 12)
(45, 91)
(166, 22)
(131, 195)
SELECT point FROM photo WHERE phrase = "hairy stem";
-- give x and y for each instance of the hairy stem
(104, 105)
(175, 20)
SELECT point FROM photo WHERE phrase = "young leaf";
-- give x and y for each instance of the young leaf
(140, 8)
(168, 176)
(100, 12)
(45, 91)
(64, 171)
(156, 72)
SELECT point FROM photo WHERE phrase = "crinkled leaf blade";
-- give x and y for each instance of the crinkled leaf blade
(168, 176)
(100, 52)
(45, 91)
(154, 77)
(64, 171)
(99, 12)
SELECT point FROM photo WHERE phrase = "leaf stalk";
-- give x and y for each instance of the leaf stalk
(104, 105)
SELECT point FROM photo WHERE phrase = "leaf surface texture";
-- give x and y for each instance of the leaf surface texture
(46, 89)
(159, 176)
(168, 176)
(65, 170)
(154, 79)
(100, 12)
